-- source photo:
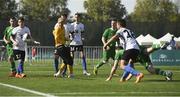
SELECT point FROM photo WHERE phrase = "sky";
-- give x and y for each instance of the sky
(77, 5)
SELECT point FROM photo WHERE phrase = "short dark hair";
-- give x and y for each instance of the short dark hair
(21, 18)
(122, 22)
(65, 15)
(12, 18)
(78, 14)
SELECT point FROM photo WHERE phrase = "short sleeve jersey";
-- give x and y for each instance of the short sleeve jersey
(20, 35)
(59, 35)
(128, 39)
(108, 33)
(8, 31)
(78, 28)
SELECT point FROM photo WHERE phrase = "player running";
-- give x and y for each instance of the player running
(110, 51)
(18, 38)
(131, 48)
(144, 60)
(9, 45)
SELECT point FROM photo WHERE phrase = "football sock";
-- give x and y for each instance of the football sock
(13, 67)
(131, 70)
(84, 63)
(160, 72)
(20, 68)
(100, 64)
(125, 73)
(63, 66)
(70, 69)
(56, 63)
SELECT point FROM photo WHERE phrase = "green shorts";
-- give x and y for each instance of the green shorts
(119, 54)
(9, 48)
(108, 54)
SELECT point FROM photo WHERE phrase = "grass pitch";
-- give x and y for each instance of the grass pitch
(40, 79)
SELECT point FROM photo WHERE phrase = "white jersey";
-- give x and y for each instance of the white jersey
(128, 39)
(78, 28)
(20, 36)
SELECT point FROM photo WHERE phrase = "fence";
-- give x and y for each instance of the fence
(45, 54)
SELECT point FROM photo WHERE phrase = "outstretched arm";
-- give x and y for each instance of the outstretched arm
(110, 40)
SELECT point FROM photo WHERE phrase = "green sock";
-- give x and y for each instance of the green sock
(13, 67)
(156, 46)
(160, 72)
(100, 64)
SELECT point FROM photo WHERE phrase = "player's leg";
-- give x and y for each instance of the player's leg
(118, 55)
(11, 60)
(101, 63)
(67, 58)
(167, 74)
(130, 54)
(20, 55)
(113, 70)
(84, 64)
(56, 60)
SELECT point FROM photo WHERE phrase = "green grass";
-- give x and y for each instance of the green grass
(40, 78)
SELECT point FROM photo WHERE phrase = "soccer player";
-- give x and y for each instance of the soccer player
(9, 45)
(110, 51)
(144, 60)
(61, 50)
(131, 48)
(76, 41)
(68, 30)
(18, 38)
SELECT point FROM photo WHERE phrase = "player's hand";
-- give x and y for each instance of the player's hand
(106, 47)
(36, 42)
(15, 43)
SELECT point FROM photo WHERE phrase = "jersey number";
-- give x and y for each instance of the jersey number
(129, 34)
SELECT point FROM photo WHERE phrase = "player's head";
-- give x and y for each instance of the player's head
(12, 21)
(61, 21)
(113, 23)
(64, 16)
(77, 16)
(121, 23)
(21, 22)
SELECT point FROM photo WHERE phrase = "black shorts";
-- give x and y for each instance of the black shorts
(64, 53)
(130, 54)
(76, 48)
(18, 54)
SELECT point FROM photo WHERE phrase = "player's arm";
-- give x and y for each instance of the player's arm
(13, 40)
(110, 40)
(103, 39)
(4, 37)
(5, 40)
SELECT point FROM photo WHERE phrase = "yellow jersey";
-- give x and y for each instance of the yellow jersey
(59, 36)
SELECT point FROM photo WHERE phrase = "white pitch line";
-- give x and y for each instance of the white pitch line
(122, 92)
(27, 90)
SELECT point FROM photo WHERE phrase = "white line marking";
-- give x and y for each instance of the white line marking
(27, 90)
(121, 92)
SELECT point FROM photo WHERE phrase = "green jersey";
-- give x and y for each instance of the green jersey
(108, 33)
(8, 32)
(9, 46)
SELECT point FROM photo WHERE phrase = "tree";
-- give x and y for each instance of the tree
(154, 10)
(8, 8)
(102, 10)
(43, 9)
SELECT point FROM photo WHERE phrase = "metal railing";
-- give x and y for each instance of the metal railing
(46, 53)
